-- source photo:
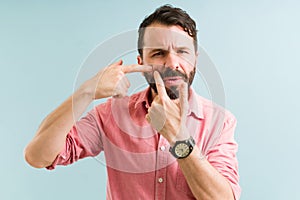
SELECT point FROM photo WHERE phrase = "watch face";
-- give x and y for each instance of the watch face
(182, 150)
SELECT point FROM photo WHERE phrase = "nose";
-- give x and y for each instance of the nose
(172, 61)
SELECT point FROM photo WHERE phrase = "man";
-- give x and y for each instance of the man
(136, 132)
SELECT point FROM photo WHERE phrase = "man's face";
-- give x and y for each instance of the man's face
(170, 50)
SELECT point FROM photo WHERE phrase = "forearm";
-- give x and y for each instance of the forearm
(203, 179)
(51, 135)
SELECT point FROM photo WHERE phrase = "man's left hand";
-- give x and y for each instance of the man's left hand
(168, 116)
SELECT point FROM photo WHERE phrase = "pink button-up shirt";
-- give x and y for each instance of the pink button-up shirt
(139, 164)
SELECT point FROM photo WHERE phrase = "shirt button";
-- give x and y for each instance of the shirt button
(162, 148)
(160, 180)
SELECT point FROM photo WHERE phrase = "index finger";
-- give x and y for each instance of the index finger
(161, 90)
(183, 97)
(136, 68)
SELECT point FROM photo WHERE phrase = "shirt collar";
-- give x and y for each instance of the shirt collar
(143, 98)
(195, 104)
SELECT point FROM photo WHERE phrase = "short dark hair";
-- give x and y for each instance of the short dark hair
(168, 15)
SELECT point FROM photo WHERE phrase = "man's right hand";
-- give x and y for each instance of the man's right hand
(111, 81)
(51, 135)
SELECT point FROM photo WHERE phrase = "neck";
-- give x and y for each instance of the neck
(152, 95)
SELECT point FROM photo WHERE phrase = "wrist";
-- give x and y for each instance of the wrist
(86, 92)
(182, 134)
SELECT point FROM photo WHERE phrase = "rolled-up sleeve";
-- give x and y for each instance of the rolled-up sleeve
(83, 140)
(222, 155)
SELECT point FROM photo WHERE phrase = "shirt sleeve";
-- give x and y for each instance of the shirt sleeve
(83, 140)
(222, 155)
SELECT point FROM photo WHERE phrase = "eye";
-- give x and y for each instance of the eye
(158, 53)
(181, 51)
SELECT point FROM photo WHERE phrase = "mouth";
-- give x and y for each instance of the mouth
(173, 80)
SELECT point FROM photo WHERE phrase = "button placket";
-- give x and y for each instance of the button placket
(161, 169)
(162, 148)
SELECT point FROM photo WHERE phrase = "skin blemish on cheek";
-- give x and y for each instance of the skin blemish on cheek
(157, 67)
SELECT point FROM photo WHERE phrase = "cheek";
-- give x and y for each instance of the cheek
(189, 60)
(188, 64)
(148, 76)
(158, 67)
(156, 62)
(186, 68)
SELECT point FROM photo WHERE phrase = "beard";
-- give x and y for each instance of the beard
(172, 91)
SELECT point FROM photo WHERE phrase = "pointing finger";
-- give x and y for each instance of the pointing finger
(119, 62)
(136, 68)
(183, 98)
(160, 85)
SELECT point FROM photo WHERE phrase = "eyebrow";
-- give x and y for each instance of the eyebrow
(160, 49)
(155, 50)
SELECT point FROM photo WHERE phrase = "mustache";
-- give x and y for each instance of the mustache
(168, 72)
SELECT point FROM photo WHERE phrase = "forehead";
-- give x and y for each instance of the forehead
(162, 36)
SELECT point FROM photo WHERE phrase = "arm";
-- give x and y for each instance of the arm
(51, 135)
(203, 179)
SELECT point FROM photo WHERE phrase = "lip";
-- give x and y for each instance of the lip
(174, 80)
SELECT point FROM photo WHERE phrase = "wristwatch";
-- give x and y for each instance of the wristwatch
(182, 148)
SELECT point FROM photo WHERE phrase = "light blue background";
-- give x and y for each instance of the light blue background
(254, 44)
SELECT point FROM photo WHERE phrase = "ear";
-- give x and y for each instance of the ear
(139, 60)
(197, 54)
